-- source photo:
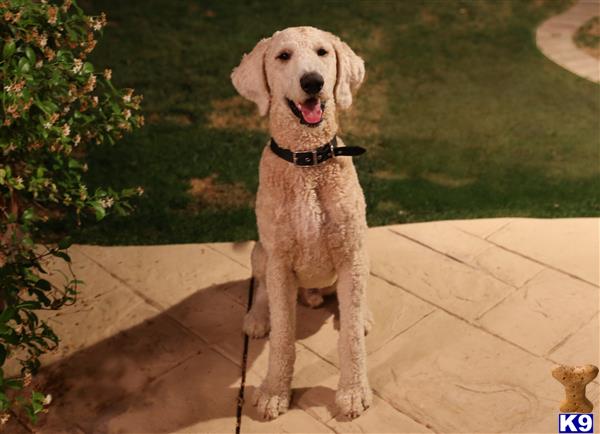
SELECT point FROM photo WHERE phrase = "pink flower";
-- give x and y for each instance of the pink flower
(52, 14)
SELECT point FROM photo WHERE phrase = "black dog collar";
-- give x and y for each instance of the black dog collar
(316, 156)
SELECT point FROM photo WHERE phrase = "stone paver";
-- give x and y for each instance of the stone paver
(239, 252)
(88, 384)
(554, 38)
(469, 320)
(314, 386)
(444, 238)
(544, 312)
(434, 277)
(480, 227)
(461, 379)
(102, 310)
(580, 347)
(448, 238)
(214, 316)
(199, 396)
(381, 418)
(569, 245)
(313, 391)
(165, 275)
(13, 426)
(397, 311)
(507, 267)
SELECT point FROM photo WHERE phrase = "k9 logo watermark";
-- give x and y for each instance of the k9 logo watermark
(575, 423)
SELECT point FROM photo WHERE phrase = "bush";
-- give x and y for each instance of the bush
(53, 105)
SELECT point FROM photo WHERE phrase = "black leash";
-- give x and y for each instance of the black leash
(240, 399)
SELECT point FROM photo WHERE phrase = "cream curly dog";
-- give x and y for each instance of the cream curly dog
(310, 208)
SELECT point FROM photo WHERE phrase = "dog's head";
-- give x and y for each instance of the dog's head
(302, 68)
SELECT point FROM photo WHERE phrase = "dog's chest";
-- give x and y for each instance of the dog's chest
(308, 213)
(311, 222)
(314, 216)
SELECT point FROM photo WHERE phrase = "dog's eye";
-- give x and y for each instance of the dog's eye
(321, 51)
(284, 55)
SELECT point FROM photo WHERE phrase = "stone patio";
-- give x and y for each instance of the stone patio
(470, 318)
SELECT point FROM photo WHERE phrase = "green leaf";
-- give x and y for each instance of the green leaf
(65, 243)
(62, 255)
(9, 49)
(31, 414)
(62, 55)
(28, 215)
(29, 305)
(7, 314)
(12, 338)
(99, 209)
(42, 106)
(27, 242)
(37, 397)
(88, 68)
(38, 267)
(14, 383)
(23, 65)
(43, 284)
(42, 297)
(2, 354)
(4, 401)
(74, 164)
(30, 54)
(51, 106)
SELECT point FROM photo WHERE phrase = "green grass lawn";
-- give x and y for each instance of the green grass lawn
(587, 37)
(462, 116)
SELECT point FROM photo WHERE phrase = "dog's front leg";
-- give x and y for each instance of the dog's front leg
(354, 394)
(273, 396)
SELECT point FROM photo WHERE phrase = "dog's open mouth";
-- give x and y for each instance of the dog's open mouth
(310, 112)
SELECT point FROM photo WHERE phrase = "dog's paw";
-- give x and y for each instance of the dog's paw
(369, 321)
(256, 325)
(353, 401)
(269, 406)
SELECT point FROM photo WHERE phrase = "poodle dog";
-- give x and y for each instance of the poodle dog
(310, 208)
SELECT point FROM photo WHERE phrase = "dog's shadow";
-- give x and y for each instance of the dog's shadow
(310, 320)
(158, 377)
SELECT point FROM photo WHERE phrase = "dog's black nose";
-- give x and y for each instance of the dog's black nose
(311, 83)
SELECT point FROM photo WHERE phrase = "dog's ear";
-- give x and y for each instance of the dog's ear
(249, 78)
(350, 73)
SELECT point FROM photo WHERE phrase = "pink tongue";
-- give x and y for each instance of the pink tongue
(311, 111)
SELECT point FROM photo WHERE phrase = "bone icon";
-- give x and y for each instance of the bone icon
(575, 378)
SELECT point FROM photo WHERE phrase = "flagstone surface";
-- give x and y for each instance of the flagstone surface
(554, 38)
(470, 318)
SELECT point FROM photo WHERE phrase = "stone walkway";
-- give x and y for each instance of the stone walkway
(555, 39)
(470, 318)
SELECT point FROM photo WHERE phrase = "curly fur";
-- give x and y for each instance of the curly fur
(311, 220)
